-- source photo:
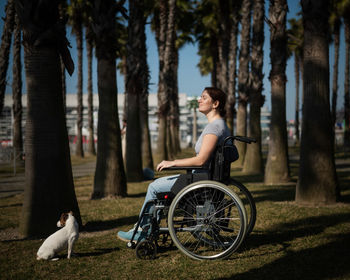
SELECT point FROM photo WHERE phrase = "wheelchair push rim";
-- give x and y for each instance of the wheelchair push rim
(207, 220)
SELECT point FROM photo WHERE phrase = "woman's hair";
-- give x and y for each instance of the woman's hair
(218, 95)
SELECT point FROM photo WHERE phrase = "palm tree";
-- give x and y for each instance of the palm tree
(243, 79)
(346, 16)
(5, 48)
(165, 37)
(253, 159)
(76, 15)
(193, 105)
(134, 88)
(62, 7)
(89, 39)
(224, 43)
(17, 91)
(295, 46)
(232, 73)
(317, 181)
(110, 179)
(277, 166)
(49, 187)
(207, 32)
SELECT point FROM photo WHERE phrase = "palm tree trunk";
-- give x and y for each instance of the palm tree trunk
(243, 80)
(336, 32)
(253, 162)
(277, 166)
(224, 43)
(79, 144)
(163, 99)
(232, 76)
(317, 180)
(346, 84)
(175, 111)
(215, 57)
(297, 85)
(134, 88)
(110, 179)
(89, 48)
(17, 91)
(5, 48)
(49, 187)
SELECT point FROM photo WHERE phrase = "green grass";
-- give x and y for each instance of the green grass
(288, 242)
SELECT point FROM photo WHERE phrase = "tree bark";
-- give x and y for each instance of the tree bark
(346, 84)
(110, 179)
(317, 180)
(253, 159)
(134, 88)
(243, 80)
(79, 151)
(49, 189)
(277, 166)
(5, 48)
(297, 85)
(336, 34)
(17, 91)
(232, 72)
(89, 48)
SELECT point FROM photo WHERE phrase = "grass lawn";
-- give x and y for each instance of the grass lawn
(288, 242)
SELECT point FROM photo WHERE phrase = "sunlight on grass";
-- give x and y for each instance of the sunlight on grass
(288, 241)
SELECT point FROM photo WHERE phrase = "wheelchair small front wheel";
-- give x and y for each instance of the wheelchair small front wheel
(207, 220)
(146, 250)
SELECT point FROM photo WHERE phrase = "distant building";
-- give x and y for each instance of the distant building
(186, 118)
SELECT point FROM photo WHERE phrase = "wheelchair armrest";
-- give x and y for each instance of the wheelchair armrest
(187, 168)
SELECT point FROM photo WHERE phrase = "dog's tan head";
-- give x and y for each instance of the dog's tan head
(64, 217)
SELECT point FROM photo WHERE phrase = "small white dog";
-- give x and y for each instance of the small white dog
(57, 241)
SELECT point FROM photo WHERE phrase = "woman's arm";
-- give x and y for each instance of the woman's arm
(207, 148)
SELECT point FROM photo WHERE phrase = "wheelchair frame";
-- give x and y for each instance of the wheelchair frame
(206, 219)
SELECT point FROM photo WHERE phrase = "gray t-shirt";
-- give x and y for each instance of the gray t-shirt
(217, 127)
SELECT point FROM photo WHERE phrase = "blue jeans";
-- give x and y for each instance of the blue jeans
(162, 184)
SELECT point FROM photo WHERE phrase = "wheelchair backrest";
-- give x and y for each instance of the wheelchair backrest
(220, 165)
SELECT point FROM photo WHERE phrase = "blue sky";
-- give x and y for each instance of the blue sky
(190, 80)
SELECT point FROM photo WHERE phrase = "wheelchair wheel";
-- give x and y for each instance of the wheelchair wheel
(248, 202)
(207, 220)
(146, 250)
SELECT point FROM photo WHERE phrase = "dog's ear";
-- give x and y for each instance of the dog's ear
(71, 212)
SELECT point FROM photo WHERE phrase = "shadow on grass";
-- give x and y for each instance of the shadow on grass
(97, 252)
(137, 195)
(327, 261)
(276, 194)
(94, 226)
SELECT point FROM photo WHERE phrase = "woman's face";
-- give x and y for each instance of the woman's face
(205, 103)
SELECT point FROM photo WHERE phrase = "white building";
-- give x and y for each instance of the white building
(186, 117)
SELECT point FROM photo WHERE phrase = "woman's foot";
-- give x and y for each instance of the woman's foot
(126, 235)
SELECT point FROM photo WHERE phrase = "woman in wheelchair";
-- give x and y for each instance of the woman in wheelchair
(212, 105)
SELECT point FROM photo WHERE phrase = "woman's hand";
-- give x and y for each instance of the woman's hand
(165, 164)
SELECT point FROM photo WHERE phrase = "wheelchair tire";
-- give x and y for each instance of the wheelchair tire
(207, 220)
(248, 201)
(146, 250)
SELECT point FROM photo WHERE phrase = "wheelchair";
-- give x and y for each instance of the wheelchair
(207, 215)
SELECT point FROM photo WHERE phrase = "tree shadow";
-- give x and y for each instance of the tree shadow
(137, 195)
(285, 232)
(323, 262)
(276, 194)
(93, 226)
(327, 261)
